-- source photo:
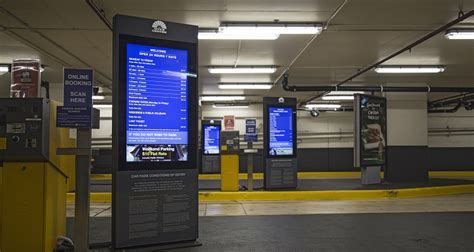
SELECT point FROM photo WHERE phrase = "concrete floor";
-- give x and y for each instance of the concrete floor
(455, 203)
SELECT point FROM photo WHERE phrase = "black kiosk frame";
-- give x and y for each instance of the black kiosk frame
(370, 137)
(210, 162)
(154, 202)
(280, 170)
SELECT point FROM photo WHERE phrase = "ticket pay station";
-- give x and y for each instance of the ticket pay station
(210, 149)
(33, 178)
(230, 160)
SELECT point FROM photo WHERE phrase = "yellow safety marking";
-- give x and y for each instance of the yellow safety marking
(3, 143)
(316, 175)
(451, 174)
(311, 195)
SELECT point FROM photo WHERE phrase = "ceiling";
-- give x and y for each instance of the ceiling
(68, 33)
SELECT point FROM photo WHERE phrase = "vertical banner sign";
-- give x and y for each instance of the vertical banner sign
(371, 131)
(280, 169)
(251, 130)
(77, 109)
(25, 78)
(154, 192)
(229, 122)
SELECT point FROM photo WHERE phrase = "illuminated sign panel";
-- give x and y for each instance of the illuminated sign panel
(211, 139)
(280, 121)
(156, 104)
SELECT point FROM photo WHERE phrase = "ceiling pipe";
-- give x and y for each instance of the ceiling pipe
(465, 98)
(100, 13)
(460, 18)
(451, 110)
(327, 89)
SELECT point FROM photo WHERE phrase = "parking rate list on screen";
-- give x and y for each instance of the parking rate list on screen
(157, 104)
(280, 131)
(211, 139)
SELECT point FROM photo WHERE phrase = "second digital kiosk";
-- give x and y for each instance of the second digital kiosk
(211, 158)
(280, 163)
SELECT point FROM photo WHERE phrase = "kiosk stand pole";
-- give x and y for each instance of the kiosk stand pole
(250, 152)
(82, 205)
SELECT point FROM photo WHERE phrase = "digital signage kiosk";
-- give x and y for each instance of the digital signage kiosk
(280, 168)
(370, 150)
(155, 199)
(211, 155)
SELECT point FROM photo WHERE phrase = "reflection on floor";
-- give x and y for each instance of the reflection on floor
(455, 203)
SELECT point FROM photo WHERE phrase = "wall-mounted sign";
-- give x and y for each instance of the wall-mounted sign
(371, 130)
(25, 78)
(229, 122)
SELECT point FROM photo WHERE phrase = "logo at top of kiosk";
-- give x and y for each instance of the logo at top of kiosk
(159, 27)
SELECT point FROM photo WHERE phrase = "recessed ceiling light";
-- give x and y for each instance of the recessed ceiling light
(245, 85)
(322, 106)
(241, 70)
(460, 34)
(409, 69)
(222, 98)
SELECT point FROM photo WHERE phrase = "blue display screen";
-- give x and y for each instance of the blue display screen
(156, 104)
(280, 131)
(211, 139)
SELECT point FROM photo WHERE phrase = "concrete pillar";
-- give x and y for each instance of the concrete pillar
(407, 137)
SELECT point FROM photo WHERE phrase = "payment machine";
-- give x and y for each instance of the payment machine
(229, 160)
(34, 180)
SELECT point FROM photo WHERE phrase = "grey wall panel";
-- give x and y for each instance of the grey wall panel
(407, 164)
(448, 159)
(336, 159)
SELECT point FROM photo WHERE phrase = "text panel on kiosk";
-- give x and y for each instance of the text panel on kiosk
(211, 140)
(280, 131)
(156, 111)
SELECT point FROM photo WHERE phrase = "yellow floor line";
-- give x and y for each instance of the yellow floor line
(106, 197)
(316, 175)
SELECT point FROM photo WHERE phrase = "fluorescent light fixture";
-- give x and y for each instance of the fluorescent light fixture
(409, 69)
(99, 106)
(344, 92)
(245, 85)
(241, 70)
(338, 97)
(460, 34)
(98, 97)
(270, 28)
(230, 36)
(222, 98)
(4, 69)
(322, 106)
(230, 106)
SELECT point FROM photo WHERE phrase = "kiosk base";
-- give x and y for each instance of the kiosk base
(370, 175)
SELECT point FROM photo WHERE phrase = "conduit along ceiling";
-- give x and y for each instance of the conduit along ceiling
(351, 35)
